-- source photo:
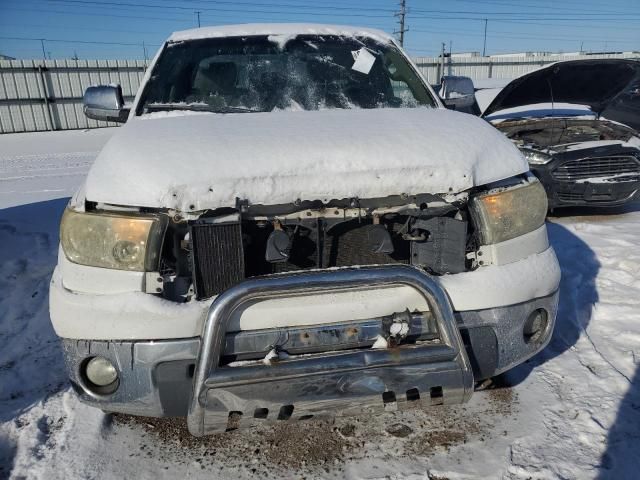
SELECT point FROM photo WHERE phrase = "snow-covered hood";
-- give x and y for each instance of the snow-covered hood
(596, 84)
(203, 161)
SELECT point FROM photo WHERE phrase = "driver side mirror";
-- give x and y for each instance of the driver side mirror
(457, 93)
(105, 103)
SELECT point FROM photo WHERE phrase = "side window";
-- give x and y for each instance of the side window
(407, 86)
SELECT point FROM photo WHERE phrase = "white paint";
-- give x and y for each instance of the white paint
(101, 281)
(137, 315)
(515, 249)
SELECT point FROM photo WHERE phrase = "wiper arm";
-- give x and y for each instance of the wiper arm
(198, 108)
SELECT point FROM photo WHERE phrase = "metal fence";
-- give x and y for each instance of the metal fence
(506, 67)
(38, 95)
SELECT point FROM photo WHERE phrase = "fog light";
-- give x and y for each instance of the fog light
(535, 326)
(101, 372)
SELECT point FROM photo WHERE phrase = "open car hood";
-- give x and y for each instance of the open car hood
(601, 85)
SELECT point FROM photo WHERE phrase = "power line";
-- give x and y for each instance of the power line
(359, 9)
(88, 42)
(517, 35)
(183, 20)
(95, 14)
(272, 12)
(165, 32)
(554, 5)
(481, 15)
(324, 6)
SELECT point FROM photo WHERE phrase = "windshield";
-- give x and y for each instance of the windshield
(261, 74)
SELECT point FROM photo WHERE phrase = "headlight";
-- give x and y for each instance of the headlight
(509, 213)
(111, 240)
(534, 157)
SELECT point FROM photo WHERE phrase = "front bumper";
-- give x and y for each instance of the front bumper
(585, 194)
(121, 313)
(157, 377)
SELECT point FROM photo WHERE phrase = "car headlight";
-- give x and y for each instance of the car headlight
(123, 242)
(535, 157)
(509, 213)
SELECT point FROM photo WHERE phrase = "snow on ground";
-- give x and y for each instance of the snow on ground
(47, 168)
(572, 412)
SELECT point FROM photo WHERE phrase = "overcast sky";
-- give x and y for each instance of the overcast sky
(117, 28)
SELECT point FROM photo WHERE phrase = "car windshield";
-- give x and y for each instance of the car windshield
(261, 74)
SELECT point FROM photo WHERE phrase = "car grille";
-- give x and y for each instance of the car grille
(219, 259)
(571, 197)
(597, 167)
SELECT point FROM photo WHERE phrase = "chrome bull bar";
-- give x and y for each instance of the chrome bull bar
(335, 383)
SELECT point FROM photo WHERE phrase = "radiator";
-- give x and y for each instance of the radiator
(218, 259)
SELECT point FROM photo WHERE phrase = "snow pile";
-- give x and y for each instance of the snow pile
(282, 30)
(46, 165)
(208, 161)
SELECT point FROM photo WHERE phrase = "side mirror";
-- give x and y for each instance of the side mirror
(457, 93)
(105, 102)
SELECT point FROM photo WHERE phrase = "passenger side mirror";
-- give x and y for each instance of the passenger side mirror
(457, 93)
(105, 103)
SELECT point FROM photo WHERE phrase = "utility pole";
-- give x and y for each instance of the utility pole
(44, 53)
(484, 47)
(75, 56)
(401, 15)
(442, 62)
(144, 51)
(198, 14)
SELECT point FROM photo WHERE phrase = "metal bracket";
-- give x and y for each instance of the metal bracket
(153, 282)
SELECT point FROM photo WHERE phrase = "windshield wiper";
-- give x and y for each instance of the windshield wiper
(197, 107)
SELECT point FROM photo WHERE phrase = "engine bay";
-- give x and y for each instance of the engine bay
(549, 132)
(203, 257)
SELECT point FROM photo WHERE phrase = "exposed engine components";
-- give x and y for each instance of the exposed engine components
(278, 246)
(379, 239)
(443, 249)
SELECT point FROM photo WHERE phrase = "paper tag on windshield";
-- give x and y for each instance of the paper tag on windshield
(364, 60)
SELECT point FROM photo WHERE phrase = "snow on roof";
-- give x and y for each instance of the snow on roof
(284, 29)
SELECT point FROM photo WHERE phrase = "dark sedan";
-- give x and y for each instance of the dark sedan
(577, 124)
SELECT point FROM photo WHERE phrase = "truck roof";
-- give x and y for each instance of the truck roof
(279, 29)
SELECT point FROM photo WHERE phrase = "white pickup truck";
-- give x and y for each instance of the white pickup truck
(290, 224)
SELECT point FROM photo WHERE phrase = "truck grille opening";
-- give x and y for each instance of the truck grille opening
(224, 254)
(597, 167)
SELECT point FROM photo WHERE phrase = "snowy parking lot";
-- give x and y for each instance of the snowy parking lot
(573, 411)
